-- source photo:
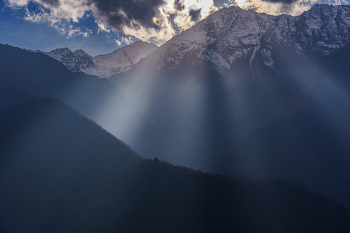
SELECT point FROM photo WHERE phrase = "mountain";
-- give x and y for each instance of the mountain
(61, 172)
(104, 65)
(335, 2)
(229, 75)
(97, 99)
(199, 115)
(236, 42)
(311, 146)
(234, 39)
(56, 165)
(77, 61)
(213, 88)
(303, 148)
(169, 198)
(234, 34)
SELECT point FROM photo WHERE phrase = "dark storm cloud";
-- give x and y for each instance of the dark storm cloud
(54, 3)
(286, 2)
(178, 5)
(195, 14)
(141, 11)
(221, 3)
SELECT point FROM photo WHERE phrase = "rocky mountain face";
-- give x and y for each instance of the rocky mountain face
(252, 53)
(233, 34)
(241, 54)
(335, 2)
(76, 61)
(104, 65)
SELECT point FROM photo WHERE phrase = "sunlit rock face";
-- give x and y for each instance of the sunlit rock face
(104, 65)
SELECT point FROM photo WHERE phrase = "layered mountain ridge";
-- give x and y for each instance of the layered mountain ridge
(106, 65)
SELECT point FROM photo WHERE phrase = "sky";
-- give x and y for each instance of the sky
(102, 26)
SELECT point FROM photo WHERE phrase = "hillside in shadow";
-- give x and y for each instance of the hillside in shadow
(97, 99)
(60, 172)
(309, 147)
(167, 198)
(56, 166)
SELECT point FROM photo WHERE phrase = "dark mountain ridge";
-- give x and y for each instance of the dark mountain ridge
(95, 98)
(201, 202)
(56, 165)
(60, 172)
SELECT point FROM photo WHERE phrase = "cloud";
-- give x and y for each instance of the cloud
(276, 7)
(192, 12)
(195, 14)
(124, 13)
(125, 40)
(41, 15)
(156, 20)
(288, 2)
(178, 5)
(73, 32)
(54, 3)
(148, 20)
(17, 3)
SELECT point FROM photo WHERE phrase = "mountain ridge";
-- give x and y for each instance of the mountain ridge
(95, 98)
(104, 65)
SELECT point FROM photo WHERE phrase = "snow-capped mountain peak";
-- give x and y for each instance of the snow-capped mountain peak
(232, 34)
(60, 53)
(81, 53)
(225, 37)
(126, 56)
(104, 65)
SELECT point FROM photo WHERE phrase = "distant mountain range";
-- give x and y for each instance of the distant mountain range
(106, 65)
